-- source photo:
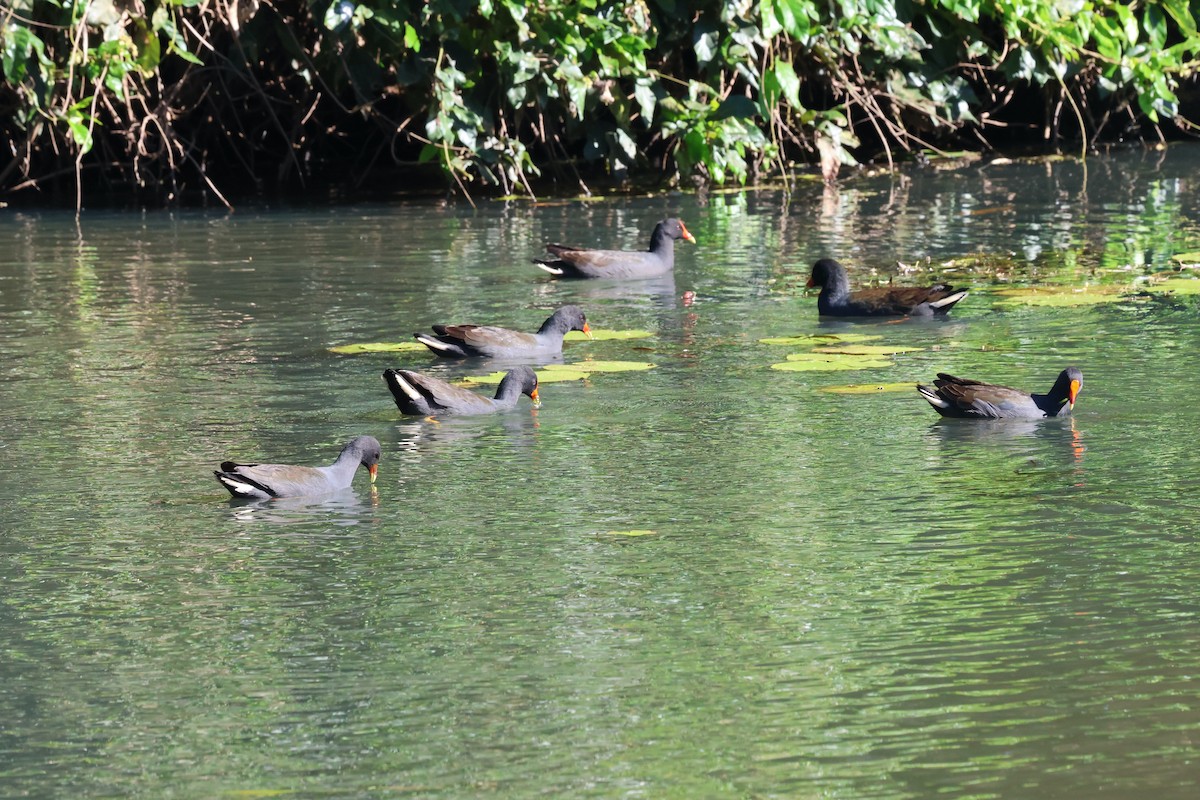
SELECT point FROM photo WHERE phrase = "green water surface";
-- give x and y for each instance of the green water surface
(839, 596)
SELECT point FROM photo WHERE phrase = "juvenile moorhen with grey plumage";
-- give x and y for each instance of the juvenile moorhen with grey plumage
(580, 262)
(263, 481)
(959, 397)
(423, 396)
(462, 341)
(836, 299)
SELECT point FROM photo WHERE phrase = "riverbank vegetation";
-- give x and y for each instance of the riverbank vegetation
(155, 101)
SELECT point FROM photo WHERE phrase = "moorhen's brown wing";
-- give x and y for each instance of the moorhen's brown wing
(961, 397)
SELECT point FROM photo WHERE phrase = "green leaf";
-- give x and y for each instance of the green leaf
(1058, 297)
(559, 375)
(868, 349)
(379, 347)
(603, 335)
(589, 365)
(870, 388)
(1180, 286)
(411, 40)
(643, 92)
(788, 81)
(816, 339)
(829, 362)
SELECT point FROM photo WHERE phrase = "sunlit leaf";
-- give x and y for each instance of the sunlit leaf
(1186, 286)
(868, 349)
(603, 336)
(379, 347)
(1054, 296)
(1187, 258)
(818, 339)
(870, 388)
(630, 533)
(560, 374)
(829, 362)
(588, 365)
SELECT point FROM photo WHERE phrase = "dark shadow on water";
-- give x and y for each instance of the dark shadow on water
(416, 433)
(1037, 437)
(661, 291)
(345, 507)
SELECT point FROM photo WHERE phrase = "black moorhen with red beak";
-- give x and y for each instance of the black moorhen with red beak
(461, 341)
(959, 397)
(836, 299)
(263, 481)
(580, 262)
(423, 396)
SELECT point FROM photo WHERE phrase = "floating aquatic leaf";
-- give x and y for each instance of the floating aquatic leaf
(630, 533)
(560, 373)
(870, 388)
(1054, 296)
(589, 365)
(379, 347)
(1186, 258)
(604, 336)
(868, 349)
(1176, 286)
(817, 339)
(829, 362)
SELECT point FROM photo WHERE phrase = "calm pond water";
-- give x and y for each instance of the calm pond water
(841, 596)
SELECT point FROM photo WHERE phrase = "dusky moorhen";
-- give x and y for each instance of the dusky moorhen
(836, 299)
(262, 481)
(460, 341)
(959, 397)
(580, 262)
(423, 396)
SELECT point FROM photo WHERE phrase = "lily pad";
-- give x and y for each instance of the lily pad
(829, 362)
(1176, 286)
(817, 339)
(1057, 297)
(870, 388)
(868, 349)
(379, 347)
(589, 365)
(630, 533)
(1186, 258)
(604, 336)
(558, 375)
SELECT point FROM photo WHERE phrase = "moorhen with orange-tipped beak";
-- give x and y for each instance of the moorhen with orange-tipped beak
(423, 396)
(461, 341)
(580, 262)
(836, 299)
(959, 397)
(263, 481)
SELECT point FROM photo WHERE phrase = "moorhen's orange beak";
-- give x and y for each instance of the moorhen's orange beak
(1073, 392)
(587, 331)
(373, 469)
(537, 401)
(686, 233)
(810, 284)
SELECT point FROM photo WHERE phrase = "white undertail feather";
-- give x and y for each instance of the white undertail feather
(405, 386)
(238, 486)
(550, 269)
(436, 344)
(948, 300)
(931, 396)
